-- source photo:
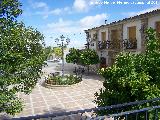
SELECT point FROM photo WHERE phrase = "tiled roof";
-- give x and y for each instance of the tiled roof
(130, 18)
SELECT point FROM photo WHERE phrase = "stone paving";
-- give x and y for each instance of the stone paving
(60, 99)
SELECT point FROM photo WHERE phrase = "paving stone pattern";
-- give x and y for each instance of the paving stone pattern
(60, 99)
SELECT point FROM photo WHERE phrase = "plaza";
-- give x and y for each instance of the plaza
(61, 99)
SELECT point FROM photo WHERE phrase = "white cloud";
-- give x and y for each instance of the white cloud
(130, 14)
(77, 26)
(44, 10)
(39, 5)
(80, 5)
(83, 5)
(56, 11)
(77, 6)
(91, 21)
(68, 27)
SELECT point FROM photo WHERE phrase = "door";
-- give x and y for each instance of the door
(115, 39)
(103, 36)
(132, 36)
(103, 62)
(158, 29)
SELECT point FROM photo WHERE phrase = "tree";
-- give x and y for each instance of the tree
(89, 57)
(22, 56)
(73, 56)
(58, 52)
(48, 51)
(133, 77)
(84, 57)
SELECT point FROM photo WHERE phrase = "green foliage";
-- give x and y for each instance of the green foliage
(21, 57)
(57, 51)
(65, 80)
(73, 56)
(89, 57)
(48, 51)
(133, 76)
(84, 57)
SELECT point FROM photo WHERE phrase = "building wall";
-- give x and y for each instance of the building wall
(152, 20)
(102, 30)
(119, 29)
(93, 47)
(123, 34)
(103, 53)
(92, 32)
(138, 34)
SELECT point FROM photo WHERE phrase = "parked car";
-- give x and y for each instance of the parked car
(55, 60)
(60, 62)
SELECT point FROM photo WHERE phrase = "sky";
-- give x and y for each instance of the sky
(71, 17)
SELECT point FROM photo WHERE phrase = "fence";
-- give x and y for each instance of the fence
(143, 113)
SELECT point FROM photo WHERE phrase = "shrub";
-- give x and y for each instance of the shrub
(133, 77)
(66, 80)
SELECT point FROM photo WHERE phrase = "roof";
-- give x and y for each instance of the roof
(157, 11)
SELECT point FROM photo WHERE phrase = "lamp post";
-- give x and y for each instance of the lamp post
(62, 42)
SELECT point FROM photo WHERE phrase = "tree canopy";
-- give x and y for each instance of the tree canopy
(83, 57)
(89, 57)
(133, 77)
(57, 51)
(22, 56)
(73, 56)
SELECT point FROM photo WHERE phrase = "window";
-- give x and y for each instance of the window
(158, 28)
(132, 42)
(103, 36)
(115, 39)
(132, 33)
(92, 44)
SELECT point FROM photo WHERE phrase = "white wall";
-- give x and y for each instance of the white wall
(152, 21)
(104, 54)
(102, 30)
(93, 47)
(92, 32)
(138, 34)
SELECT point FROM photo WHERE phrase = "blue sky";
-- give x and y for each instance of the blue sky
(72, 17)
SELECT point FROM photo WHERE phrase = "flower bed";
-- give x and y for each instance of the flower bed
(63, 81)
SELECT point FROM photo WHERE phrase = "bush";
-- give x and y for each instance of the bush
(66, 80)
(133, 77)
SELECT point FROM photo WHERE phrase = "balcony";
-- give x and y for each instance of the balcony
(117, 44)
(129, 44)
(105, 45)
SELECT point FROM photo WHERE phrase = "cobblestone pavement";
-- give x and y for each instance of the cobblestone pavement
(60, 99)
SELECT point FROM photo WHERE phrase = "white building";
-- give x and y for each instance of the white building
(123, 35)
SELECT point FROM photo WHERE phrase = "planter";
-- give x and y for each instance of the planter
(58, 81)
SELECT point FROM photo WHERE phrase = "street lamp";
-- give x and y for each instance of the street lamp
(62, 42)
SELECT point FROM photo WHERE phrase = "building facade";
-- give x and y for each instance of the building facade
(123, 35)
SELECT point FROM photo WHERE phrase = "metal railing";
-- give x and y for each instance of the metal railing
(130, 43)
(150, 109)
(117, 44)
(105, 45)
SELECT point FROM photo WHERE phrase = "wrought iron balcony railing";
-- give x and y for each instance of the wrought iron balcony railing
(138, 110)
(117, 44)
(130, 43)
(105, 45)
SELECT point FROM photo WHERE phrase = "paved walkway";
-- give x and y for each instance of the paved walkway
(60, 99)
(77, 97)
